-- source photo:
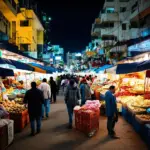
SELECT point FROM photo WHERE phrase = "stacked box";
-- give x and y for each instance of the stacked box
(6, 133)
(87, 121)
(20, 120)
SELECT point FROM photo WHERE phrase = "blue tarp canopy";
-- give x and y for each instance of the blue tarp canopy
(18, 65)
(46, 68)
(145, 65)
(127, 68)
(103, 68)
(22, 66)
(5, 61)
(6, 72)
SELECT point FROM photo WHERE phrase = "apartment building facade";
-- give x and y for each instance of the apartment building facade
(121, 21)
(21, 26)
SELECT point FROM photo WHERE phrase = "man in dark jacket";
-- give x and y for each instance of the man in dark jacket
(34, 98)
(72, 96)
(53, 89)
(111, 110)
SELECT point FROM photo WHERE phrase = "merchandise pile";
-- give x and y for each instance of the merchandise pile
(87, 117)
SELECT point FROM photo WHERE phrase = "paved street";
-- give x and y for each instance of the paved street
(55, 136)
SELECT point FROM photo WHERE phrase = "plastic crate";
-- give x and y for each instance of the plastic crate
(87, 122)
(20, 120)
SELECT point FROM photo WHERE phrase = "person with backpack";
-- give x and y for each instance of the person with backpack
(85, 91)
(72, 96)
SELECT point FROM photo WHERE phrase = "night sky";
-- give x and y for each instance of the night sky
(71, 21)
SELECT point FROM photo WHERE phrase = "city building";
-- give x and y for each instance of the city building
(120, 24)
(21, 27)
(54, 55)
(74, 60)
(8, 13)
(113, 23)
(29, 33)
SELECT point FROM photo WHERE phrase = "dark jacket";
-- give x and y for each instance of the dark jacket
(72, 95)
(34, 98)
(53, 86)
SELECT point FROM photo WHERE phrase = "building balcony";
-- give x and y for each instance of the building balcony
(9, 9)
(144, 9)
(109, 31)
(109, 38)
(113, 17)
(109, 3)
(95, 34)
(106, 43)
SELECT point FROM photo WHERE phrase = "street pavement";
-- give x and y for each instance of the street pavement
(55, 135)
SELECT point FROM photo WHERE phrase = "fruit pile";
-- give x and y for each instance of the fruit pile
(144, 117)
(124, 93)
(12, 107)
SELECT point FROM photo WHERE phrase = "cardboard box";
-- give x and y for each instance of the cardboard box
(10, 131)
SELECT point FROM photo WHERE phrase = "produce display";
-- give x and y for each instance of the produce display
(13, 107)
(145, 117)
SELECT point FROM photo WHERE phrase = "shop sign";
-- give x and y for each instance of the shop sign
(143, 46)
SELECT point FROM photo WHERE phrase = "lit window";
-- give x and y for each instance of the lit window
(110, 10)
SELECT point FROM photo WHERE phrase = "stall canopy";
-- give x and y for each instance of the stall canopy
(103, 68)
(22, 66)
(37, 69)
(15, 64)
(6, 63)
(111, 70)
(46, 68)
(145, 65)
(127, 68)
(6, 72)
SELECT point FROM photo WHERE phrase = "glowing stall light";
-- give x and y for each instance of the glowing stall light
(58, 58)
(78, 54)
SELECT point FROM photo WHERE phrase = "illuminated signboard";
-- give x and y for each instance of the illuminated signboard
(58, 58)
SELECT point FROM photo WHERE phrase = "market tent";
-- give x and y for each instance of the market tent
(111, 70)
(37, 69)
(127, 68)
(103, 68)
(47, 69)
(6, 72)
(145, 65)
(6, 63)
(15, 64)
(22, 66)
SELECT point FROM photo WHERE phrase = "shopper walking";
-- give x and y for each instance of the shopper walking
(45, 88)
(111, 110)
(34, 98)
(85, 91)
(53, 90)
(72, 97)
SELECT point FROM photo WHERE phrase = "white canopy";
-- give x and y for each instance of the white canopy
(111, 70)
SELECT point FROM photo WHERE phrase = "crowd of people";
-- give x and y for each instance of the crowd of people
(76, 91)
